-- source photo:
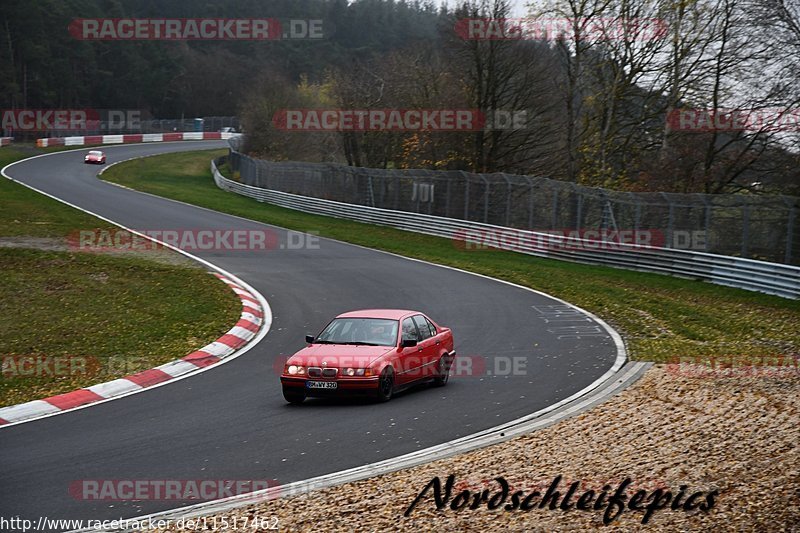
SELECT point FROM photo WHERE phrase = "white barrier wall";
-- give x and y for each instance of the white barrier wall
(135, 138)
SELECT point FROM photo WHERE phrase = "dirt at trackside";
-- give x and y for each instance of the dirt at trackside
(738, 436)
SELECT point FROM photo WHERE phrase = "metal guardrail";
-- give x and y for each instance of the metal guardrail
(771, 278)
(764, 227)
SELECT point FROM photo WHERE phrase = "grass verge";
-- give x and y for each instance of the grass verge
(660, 317)
(70, 320)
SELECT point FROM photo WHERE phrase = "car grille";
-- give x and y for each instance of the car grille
(316, 372)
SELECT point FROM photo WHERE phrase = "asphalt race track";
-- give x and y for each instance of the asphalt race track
(232, 422)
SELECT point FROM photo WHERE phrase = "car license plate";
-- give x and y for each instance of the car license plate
(321, 384)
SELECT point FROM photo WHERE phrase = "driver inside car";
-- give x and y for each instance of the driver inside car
(380, 335)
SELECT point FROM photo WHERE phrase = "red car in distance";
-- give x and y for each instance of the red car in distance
(95, 156)
(375, 352)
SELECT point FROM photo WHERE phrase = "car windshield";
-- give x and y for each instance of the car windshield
(365, 331)
(94, 152)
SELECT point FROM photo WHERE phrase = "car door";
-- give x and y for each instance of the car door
(428, 349)
(410, 360)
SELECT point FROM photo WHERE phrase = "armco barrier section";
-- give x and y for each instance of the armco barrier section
(135, 138)
(771, 278)
(764, 227)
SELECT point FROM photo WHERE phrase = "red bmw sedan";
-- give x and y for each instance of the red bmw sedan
(376, 352)
(95, 156)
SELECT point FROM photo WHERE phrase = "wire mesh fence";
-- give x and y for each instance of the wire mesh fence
(764, 227)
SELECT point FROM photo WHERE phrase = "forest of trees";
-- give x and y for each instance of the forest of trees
(597, 109)
(43, 66)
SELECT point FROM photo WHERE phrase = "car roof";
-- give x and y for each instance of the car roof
(393, 314)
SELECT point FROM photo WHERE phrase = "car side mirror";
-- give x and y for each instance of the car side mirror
(310, 339)
(408, 343)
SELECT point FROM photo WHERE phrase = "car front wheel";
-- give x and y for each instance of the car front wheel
(293, 395)
(386, 385)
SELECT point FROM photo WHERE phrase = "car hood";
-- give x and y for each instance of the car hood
(339, 355)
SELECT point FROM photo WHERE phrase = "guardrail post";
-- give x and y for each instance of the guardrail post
(486, 192)
(746, 229)
(554, 221)
(707, 221)
(466, 196)
(508, 198)
(370, 192)
(530, 203)
(670, 221)
(431, 189)
(447, 198)
(790, 235)
(637, 212)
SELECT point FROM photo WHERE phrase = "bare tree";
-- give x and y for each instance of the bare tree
(421, 77)
(734, 75)
(507, 77)
(626, 100)
(621, 86)
(261, 113)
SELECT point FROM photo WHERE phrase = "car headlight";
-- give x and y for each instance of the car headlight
(295, 369)
(356, 372)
